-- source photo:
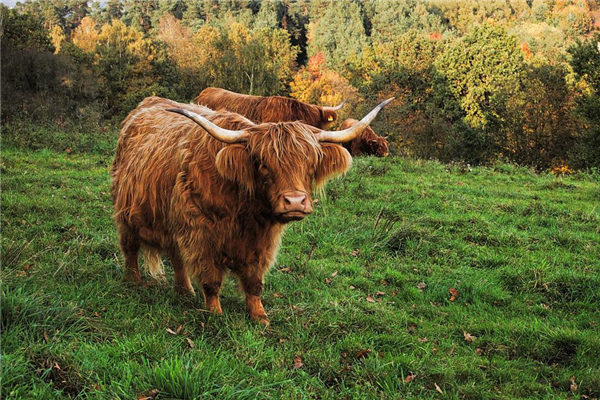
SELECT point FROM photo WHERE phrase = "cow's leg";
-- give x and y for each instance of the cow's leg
(252, 283)
(212, 279)
(183, 285)
(130, 245)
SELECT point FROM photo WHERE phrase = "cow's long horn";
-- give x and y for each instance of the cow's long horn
(348, 134)
(224, 135)
(327, 108)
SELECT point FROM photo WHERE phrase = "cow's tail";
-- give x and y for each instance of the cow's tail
(154, 264)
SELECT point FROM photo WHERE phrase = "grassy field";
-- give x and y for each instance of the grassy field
(411, 280)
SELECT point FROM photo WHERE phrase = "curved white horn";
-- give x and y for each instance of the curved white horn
(221, 134)
(328, 108)
(348, 134)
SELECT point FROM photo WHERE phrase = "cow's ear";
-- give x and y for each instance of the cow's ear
(336, 161)
(234, 163)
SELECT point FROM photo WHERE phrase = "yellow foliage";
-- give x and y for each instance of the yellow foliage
(562, 170)
(57, 36)
(85, 36)
(316, 84)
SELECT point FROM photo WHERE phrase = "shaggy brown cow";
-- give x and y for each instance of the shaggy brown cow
(268, 109)
(368, 142)
(213, 191)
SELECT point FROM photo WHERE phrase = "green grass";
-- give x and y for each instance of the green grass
(522, 249)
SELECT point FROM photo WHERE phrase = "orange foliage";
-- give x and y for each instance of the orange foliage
(316, 84)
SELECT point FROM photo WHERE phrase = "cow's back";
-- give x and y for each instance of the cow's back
(221, 99)
(154, 148)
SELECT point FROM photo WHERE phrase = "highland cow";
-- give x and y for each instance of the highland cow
(213, 191)
(268, 109)
(367, 143)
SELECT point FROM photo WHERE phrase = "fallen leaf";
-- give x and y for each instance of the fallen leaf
(286, 269)
(56, 366)
(45, 337)
(412, 327)
(151, 395)
(344, 354)
(327, 281)
(190, 342)
(355, 252)
(298, 362)
(380, 293)
(352, 287)
(68, 150)
(334, 273)
(26, 267)
(383, 282)
(277, 295)
(434, 350)
(95, 314)
(438, 388)
(453, 293)
(394, 292)
(573, 384)
(469, 338)
(409, 377)
(362, 353)
(479, 351)
(423, 340)
(178, 329)
(370, 299)
(171, 331)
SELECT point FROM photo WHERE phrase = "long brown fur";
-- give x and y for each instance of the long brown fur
(366, 143)
(266, 109)
(178, 191)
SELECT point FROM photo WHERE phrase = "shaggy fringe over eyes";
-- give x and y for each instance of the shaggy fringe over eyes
(285, 144)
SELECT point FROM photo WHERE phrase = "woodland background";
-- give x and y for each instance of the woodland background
(476, 82)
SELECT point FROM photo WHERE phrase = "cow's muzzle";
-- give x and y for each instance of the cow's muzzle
(294, 205)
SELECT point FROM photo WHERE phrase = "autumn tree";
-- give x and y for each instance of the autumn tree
(233, 56)
(317, 84)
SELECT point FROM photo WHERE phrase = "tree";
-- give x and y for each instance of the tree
(394, 17)
(230, 55)
(339, 34)
(585, 62)
(541, 127)
(123, 57)
(483, 69)
(23, 31)
(86, 35)
(317, 84)
(269, 14)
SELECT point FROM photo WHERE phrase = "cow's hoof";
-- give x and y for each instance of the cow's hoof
(214, 306)
(134, 280)
(261, 319)
(185, 291)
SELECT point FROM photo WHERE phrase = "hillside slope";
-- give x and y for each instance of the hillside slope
(411, 278)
